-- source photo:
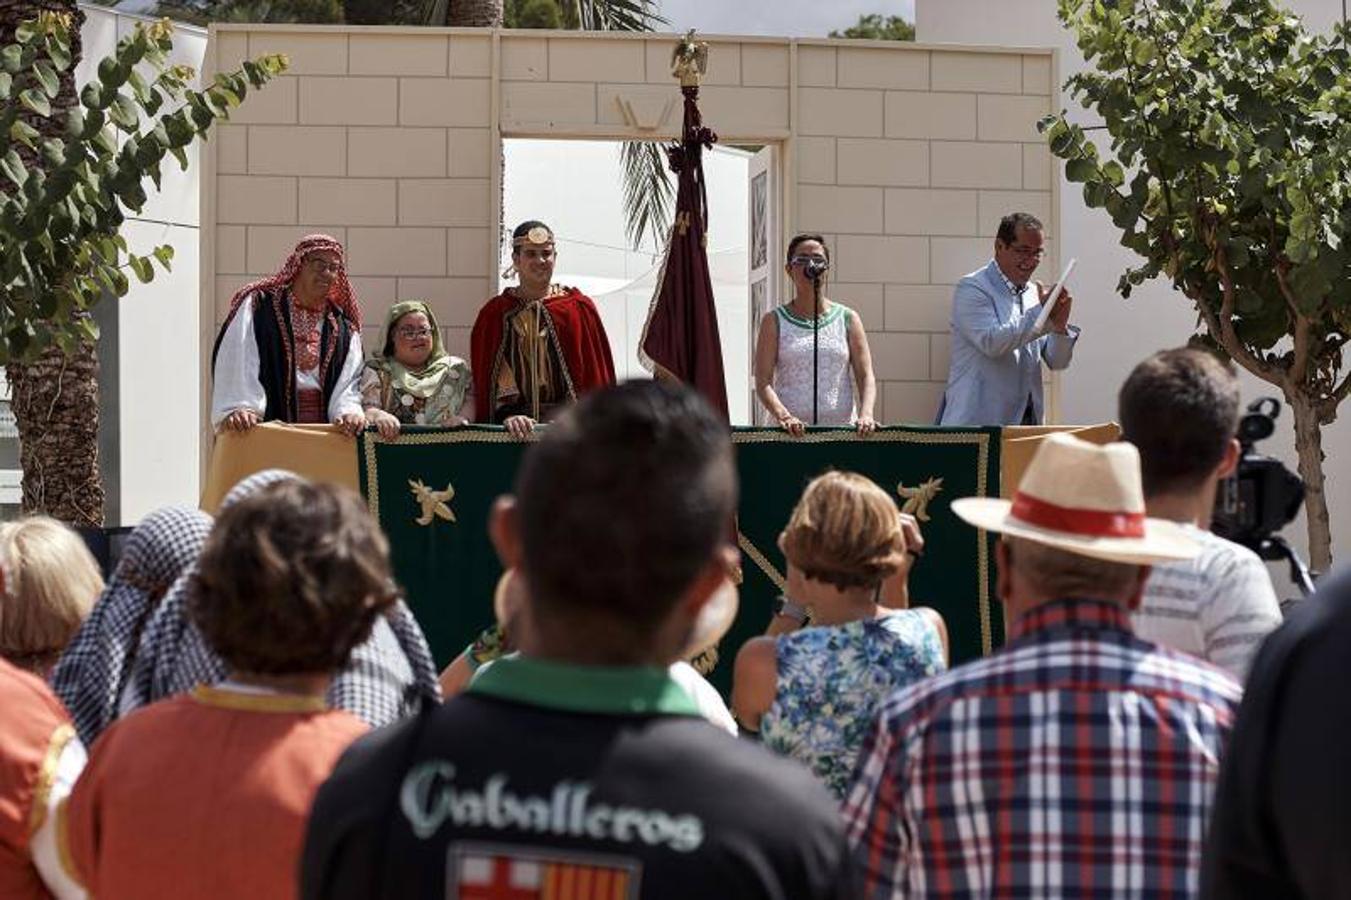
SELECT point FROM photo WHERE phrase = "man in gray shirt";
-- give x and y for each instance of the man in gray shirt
(1180, 408)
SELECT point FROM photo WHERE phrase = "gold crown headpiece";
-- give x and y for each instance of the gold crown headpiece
(538, 235)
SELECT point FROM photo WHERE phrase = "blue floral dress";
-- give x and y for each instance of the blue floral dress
(832, 679)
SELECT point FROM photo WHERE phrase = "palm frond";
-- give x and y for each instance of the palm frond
(648, 195)
(618, 15)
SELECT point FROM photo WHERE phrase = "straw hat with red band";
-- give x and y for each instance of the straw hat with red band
(1083, 498)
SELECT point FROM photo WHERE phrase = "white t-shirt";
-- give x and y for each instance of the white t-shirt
(1218, 606)
(706, 696)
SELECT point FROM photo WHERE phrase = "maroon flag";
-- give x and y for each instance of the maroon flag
(680, 339)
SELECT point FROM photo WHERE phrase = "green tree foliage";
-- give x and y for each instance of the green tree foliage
(1229, 173)
(876, 28)
(62, 199)
(532, 14)
(203, 12)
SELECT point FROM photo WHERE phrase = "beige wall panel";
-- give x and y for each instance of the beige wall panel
(883, 163)
(764, 65)
(396, 152)
(843, 113)
(911, 401)
(649, 100)
(232, 149)
(226, 285)
(940, 356)
(456, 341)
(870, 67)
(349, 101)
(270, 245)
(918, 307)
(955, 257)
(444, 101)
(317, 53)
(467, 251)
(920, 211)
(898, 356)
(232, 48)
(256, 199)
(524, 59)
(443, 201)
(994, 205)
(976, 165)
(995, 73)
(1037, 75)
(839, 209)
(865, 299)
(904, 260)
(470, 152)
(396, 251)
(1038, 168)
(375, 296)
(815, 66)
(1003, 118)
(272, 104)
(529, 104)
(455, 301)
(913, 114)
(596, 60)
(737, 110)
(816, 160)
(470, 56)
(398, 54)
(353, 201)
(231, 249)
(297, 150)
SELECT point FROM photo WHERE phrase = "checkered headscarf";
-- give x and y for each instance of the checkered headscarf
(94, 667)
(390, 675)
(340, 293)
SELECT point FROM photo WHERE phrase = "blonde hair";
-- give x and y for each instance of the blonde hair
(845, 531)
(50, 583)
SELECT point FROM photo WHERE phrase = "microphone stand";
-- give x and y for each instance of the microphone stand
(816, 339)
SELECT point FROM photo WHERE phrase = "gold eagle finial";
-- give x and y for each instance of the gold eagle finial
(689, 62)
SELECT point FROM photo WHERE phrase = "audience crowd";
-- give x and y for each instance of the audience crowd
(247, 709)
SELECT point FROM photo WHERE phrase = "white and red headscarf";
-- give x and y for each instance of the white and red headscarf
(339, 293)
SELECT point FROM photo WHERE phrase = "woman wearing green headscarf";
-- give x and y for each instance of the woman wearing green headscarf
(413, 380)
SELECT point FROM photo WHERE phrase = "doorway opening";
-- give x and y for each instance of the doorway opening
(575, 187)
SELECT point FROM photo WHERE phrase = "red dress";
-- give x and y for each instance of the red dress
(34, 731)
(576, 341)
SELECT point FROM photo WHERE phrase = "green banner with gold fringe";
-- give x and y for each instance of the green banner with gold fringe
(431, 490)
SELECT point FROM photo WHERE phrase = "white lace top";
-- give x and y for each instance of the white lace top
(835, 403)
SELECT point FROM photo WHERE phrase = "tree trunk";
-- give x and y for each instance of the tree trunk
(1309, 446)
(55, 398)
(56, 405)
(475, 13)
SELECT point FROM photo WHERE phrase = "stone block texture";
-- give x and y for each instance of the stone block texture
(904, 157)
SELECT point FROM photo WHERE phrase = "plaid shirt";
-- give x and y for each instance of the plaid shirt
(1079, 761)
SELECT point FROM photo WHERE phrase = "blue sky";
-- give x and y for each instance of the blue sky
(794, 18)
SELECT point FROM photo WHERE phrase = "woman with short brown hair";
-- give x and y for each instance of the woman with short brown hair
(812, 694)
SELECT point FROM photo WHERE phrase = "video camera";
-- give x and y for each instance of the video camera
(1262, 496)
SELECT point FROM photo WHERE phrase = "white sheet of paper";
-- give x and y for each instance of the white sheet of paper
(1055, 295)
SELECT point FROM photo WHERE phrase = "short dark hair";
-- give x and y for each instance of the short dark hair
(1009, 225)
(1180, 409)
(291, 579)
(622, 503)
(802, 239)
(524, 228)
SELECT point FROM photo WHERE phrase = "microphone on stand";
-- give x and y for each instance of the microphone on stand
(814, 269)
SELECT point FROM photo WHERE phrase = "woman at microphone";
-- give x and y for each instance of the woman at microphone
(806, 343)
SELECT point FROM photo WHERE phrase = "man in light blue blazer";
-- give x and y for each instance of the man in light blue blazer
(994, 377)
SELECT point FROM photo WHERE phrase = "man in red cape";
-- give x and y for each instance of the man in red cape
(536, 347)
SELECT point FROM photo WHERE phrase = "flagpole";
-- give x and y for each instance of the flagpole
(816, 339)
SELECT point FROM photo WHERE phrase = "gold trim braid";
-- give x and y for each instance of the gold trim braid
(42, 791)
(276, 703)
